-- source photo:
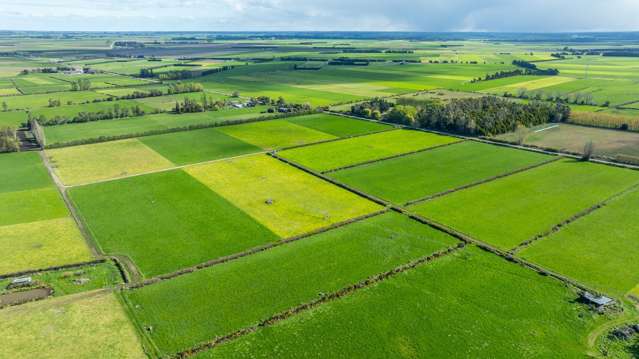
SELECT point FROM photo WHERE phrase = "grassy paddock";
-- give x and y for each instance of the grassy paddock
(327, 156)
(514, 209)
(599, 250)
(101, 161)
(426, 173)
(197, 146)
(165, 221)
(136, 126)
(470, 304)
(287, 201)
(275, 134)
(197, 307)
(81, 326)
(41, 244)
(337, 125)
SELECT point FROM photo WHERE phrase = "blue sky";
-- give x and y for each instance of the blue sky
(322, 15)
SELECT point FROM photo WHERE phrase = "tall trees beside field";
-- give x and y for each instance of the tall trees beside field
(81, 85)
(484, 116)
(9, 140)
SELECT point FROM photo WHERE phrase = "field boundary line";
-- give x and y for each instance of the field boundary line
(53, 268)
(230, 122)
(335, 139)
(331, 181)
(499, 252)
(507, 144)
(251, 251)
(577, 216)
(88, 238)
(391, 157)
(346, 291)
(165, 169)
(483, 181)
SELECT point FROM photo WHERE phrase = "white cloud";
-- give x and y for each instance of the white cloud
(372, 15)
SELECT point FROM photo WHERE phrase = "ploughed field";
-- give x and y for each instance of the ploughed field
(248, 231)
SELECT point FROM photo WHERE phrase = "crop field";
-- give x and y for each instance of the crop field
(599, 250)
(58, 327)
(422, 174)
(499, 212)
(297, 216)
(285, 200)
(181, 219)
(609, 143)
(262, 285)
(35, 228)
(454, 306)
(337, 154)
(136, 126)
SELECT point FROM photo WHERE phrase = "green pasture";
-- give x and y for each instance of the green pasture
(469, 304)
(167, 103)
(13, 119)
(165, 221)
(274, 134)
(81, 326)
(22, 171)
(40, 83)
(105, 106)
(42, 100)
(511, 210)
(136, 126)
(284, 199)
(101, 161)
(41, 244)
(31, 205)
(332, 155)
(219, 300)
(207, 144)
(599, 250)
(337, 125)
(406, 178)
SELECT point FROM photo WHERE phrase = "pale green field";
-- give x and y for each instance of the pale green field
(41, 244)
(90, 326)
(89, 163)
(299, 202)
(275, 134)
(331, 155)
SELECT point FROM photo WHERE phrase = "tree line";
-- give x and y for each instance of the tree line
(483, 116)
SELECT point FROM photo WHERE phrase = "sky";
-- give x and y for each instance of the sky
(321, 15)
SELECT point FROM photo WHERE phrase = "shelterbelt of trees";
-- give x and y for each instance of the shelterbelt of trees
(483, 116)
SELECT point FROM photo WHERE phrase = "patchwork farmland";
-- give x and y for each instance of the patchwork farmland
(283, 199)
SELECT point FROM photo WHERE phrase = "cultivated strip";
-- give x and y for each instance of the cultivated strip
(317, 302)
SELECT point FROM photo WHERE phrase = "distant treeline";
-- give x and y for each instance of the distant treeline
(484, 116)
(181, 74)
(525, 68)
(112, 113)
